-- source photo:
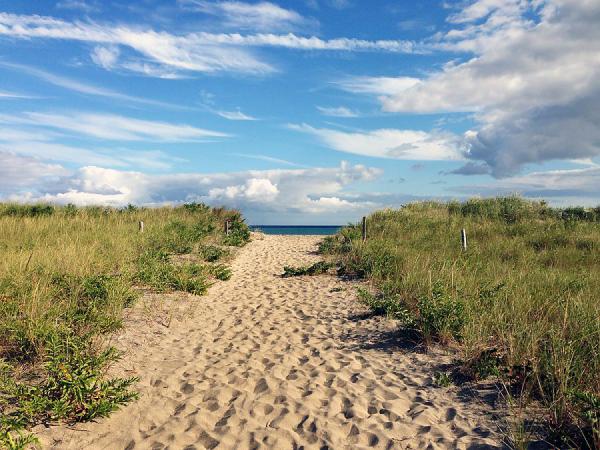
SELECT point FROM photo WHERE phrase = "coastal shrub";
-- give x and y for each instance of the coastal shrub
(239, 232)
(220, 272)
(388, 305)
(73, 388)
(521, 303)
(440, 315)
(317, 268)
(19, 210)
(212, 253)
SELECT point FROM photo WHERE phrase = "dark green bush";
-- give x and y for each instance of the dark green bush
(239, 233)
(440, 315)
(72, 388)
(211, 253)
(314, 269)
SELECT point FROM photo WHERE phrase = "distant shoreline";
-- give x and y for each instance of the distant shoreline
(297, 229)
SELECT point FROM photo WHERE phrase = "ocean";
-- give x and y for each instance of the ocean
(322, 230)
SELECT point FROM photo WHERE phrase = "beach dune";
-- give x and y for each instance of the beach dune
(270, 362)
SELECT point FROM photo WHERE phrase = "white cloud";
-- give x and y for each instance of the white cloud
(84, 88)
(105, 57)
(340, 111)
(112, 127)
(532, 81)
(38, 142)
(277, 192)
(7, 94)
(254, 16)
(22, 172)
(193, 52)
(235, 115)
(267, 158)
(561, 187)
(389, 143)
(377, 85)
(86, 7)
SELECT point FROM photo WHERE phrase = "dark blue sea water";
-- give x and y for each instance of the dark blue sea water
(297, 229)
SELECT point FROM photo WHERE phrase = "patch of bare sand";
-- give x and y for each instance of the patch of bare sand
(270, 362)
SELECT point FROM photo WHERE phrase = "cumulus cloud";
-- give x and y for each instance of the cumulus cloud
(561, 187)
(531, 81)
(469, 168)
(22, 172)
(193, 52)
(289, 191)
(389, 143)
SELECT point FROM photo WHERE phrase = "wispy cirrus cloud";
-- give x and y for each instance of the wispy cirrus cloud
(112, 127)
(85, 88)
(389, 143)
(267, 158)
(261, 16)
(376, 85)
(339, 111)
(235, 115)
(192, 52)
(8, 94)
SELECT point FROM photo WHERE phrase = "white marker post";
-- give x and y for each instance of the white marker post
(141, 226)
(364, 228)
(463, 239)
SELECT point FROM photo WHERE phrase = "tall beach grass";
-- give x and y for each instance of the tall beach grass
(521, 303)
(66, 274)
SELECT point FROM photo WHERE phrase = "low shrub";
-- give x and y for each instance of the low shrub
(71, 387)
(314, 269)
(211, 253)
(239, 233)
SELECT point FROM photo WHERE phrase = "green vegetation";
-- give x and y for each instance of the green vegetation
(66, 274)
(521, 302)
(314, 269)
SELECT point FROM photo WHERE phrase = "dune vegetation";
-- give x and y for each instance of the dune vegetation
(66, 275)
(521, 303)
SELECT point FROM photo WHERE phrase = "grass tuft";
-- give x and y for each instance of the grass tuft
(520, 303)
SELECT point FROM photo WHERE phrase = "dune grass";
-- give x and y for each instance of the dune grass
(522, 302)
(66, 274)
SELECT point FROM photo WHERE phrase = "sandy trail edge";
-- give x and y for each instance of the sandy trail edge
(267, 362)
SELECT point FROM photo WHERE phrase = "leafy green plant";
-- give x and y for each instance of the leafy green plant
(220, 272)
(212, 253)
(442, 379)
(440, 315)
(71, 388)
(317, 268)
(239, 233)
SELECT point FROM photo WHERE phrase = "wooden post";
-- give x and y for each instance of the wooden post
(141, 226)
(463, 239)
(364, 228)
(227, 227)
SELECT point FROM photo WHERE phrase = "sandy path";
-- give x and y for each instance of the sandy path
(267, 362)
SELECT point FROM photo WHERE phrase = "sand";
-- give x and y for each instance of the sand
(285, 363)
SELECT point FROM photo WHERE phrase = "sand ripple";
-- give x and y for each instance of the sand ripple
(267, 362)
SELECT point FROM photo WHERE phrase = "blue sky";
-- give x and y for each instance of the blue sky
(312, 111)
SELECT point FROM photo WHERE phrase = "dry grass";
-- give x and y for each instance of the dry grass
(521, 303)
